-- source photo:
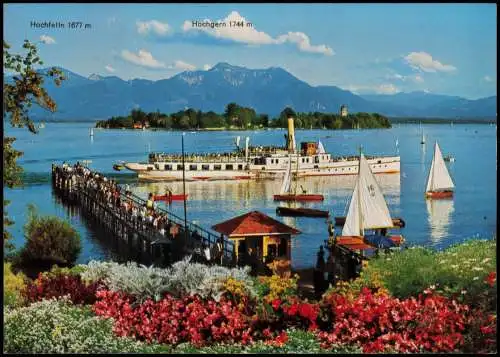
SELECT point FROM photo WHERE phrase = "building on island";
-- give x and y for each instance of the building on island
(343, 110)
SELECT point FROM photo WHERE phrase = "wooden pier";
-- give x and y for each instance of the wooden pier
(141, 238)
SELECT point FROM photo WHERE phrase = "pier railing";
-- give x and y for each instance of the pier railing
(71, 186)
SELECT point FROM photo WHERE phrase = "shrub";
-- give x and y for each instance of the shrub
(173, 321)
(183, 278)
(56, 285)
(55, 326)
(380, 323)
(49, 239)
(13, 284)
(273, 287)
(459, 268)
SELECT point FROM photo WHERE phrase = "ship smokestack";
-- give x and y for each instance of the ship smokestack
(247, 139)
(291, 136)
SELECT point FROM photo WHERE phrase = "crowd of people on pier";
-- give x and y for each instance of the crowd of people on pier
(145, 216)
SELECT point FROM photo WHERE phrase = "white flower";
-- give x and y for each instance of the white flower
(432, 287)
(463, 292)
(477, 268)
(454, 266)
(485, 260)
(475, 278)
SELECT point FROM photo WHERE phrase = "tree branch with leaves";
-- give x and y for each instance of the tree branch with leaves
(19, 95)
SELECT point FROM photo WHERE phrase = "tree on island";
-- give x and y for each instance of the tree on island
(236, 116)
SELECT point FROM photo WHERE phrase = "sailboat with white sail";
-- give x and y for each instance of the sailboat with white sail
(422, 141)
(439, 182)
(368, 211)
(289, 194)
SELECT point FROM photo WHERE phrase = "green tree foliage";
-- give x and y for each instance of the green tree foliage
(19, 95)
(49, 239)
(239, 117)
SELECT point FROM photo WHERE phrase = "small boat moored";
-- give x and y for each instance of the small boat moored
(299, 197)
(439, 182)
(178, 197)
(449, 158)
(301, 212)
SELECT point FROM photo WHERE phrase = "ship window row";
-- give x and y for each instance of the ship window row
(204, 167)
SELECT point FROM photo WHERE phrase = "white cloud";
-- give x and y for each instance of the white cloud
(250, 36)
(487, 79)
(182, 66)
(110, 69)
(303, 43)
(143, 58)
(157, 27)
(47, 40)
(423, 61)
(207, 67)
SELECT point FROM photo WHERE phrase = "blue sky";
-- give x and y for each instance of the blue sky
(366, 48)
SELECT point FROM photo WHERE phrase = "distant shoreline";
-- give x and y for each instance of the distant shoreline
(392, 120)
(441, 121)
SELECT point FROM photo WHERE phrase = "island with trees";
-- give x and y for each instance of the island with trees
(236, 117)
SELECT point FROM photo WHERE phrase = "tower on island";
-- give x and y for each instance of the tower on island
(343, 110)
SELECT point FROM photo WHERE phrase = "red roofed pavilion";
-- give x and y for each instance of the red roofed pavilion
(256, 235)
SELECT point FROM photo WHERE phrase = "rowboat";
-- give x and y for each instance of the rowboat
(439, 182)
(301, 212)
(178, 197)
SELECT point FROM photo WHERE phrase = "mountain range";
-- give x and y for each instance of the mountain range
(266, 90)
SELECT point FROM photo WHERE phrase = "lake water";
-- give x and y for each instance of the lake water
(472, 212)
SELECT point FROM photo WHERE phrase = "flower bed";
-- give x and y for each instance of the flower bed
(194, 308)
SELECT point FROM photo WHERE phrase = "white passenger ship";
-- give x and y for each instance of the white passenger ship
(258, 163)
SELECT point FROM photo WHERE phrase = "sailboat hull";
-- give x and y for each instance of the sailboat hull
(298, 197)
(397, 222)
(439, 194)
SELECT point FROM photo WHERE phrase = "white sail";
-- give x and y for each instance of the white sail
(285, 185)
(352, 225)
(440, 212)
(368, 209)
(439, 178)
(321, 148)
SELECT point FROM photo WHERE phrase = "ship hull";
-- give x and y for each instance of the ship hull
(153, 172)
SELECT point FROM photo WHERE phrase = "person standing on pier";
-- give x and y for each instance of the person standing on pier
(149, 202)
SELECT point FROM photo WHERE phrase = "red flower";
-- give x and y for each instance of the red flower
(276, 304)
(491, 278)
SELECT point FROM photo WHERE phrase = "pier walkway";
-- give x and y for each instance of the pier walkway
(155, 236)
